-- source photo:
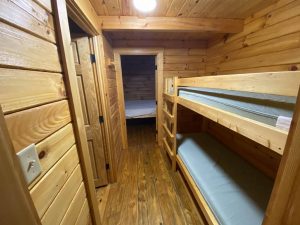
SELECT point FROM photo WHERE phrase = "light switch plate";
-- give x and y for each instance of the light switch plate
(30, 163)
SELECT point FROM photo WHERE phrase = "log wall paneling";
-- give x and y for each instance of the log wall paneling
(112, 105)
(75, 207)
(270, 42)
(84, 216)
(21, 89)
(47, 188)
(138, 77)
(51, 149)
(36, 105)
(21, 49)
(18, 209)
(58, 208)
(184, 62)
(33, 125)
(30, 16)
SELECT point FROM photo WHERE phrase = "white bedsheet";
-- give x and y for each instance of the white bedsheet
(140, 108)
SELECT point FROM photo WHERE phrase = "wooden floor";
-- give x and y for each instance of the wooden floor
(147, 192)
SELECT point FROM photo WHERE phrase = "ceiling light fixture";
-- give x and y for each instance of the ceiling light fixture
(144, 5)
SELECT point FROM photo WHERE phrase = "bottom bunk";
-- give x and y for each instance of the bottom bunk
(140, 109)
(230, 190)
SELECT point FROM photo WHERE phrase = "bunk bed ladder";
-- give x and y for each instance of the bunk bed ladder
(170, 118)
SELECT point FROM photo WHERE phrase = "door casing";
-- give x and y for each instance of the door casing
(158, 52)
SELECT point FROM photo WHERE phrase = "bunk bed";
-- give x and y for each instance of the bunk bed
(228, 189)
(140, 109)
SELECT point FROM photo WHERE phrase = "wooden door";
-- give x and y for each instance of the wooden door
(91, 107)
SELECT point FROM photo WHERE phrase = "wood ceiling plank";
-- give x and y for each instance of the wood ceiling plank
(185, 8)
(99, 7)
(162, 7)
(113, 7)
(188, 7)
(175, 7)
(113, 23)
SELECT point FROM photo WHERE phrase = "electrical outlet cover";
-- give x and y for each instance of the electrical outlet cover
(30, 163)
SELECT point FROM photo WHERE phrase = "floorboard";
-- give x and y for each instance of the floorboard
(147, 191)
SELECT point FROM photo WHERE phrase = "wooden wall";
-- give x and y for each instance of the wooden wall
(270, 42)
(110, 83)
(36, 108)
(184, 62)
(138, 77)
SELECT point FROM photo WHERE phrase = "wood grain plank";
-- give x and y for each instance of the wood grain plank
(84, 215)
(111, 23)
(16, 206)
(21, 89)
(20, 49)
(51, 149)
(29, 16)
(33, 125)
(59, 206)
(45, 4)
(73, 211)
(45, 191)
(276, 83)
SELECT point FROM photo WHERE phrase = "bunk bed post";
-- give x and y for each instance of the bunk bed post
(174, 131)
(284, 204)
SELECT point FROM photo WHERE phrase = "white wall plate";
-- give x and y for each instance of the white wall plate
(30, 163)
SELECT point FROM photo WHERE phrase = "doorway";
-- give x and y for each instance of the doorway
(139, 88)
(140, 78)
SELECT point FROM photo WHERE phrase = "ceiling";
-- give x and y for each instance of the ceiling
(181, 10)
(184, 8)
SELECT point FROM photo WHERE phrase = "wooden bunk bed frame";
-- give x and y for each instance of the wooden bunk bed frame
(282, 142)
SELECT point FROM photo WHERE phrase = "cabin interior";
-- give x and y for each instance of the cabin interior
(149, 112)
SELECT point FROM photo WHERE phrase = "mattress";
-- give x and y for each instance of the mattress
(265, 108)
(140, 109)
(236, 192)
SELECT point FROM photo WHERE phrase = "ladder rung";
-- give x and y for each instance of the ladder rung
(168, 148)
(168, 115)
(168, 131)
(169, 97)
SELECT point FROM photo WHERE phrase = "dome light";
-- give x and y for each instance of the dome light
(144, 5)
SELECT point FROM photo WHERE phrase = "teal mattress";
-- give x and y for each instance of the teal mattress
(265, 108)
(236, 192)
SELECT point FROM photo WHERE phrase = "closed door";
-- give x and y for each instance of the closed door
(91, 107)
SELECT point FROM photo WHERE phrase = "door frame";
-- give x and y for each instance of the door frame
(65, 50)
(159, 54)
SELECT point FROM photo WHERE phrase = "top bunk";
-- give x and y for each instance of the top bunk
(258, 106)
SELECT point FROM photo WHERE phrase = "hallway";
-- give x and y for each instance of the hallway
(147, 192)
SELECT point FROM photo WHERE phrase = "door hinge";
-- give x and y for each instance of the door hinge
(101, 119)
(93, 58)
(155, 67)
(156, 102)
(107, 166)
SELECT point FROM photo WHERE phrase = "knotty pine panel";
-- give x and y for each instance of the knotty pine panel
(33, 98)
(270, 42)
(184, 62)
